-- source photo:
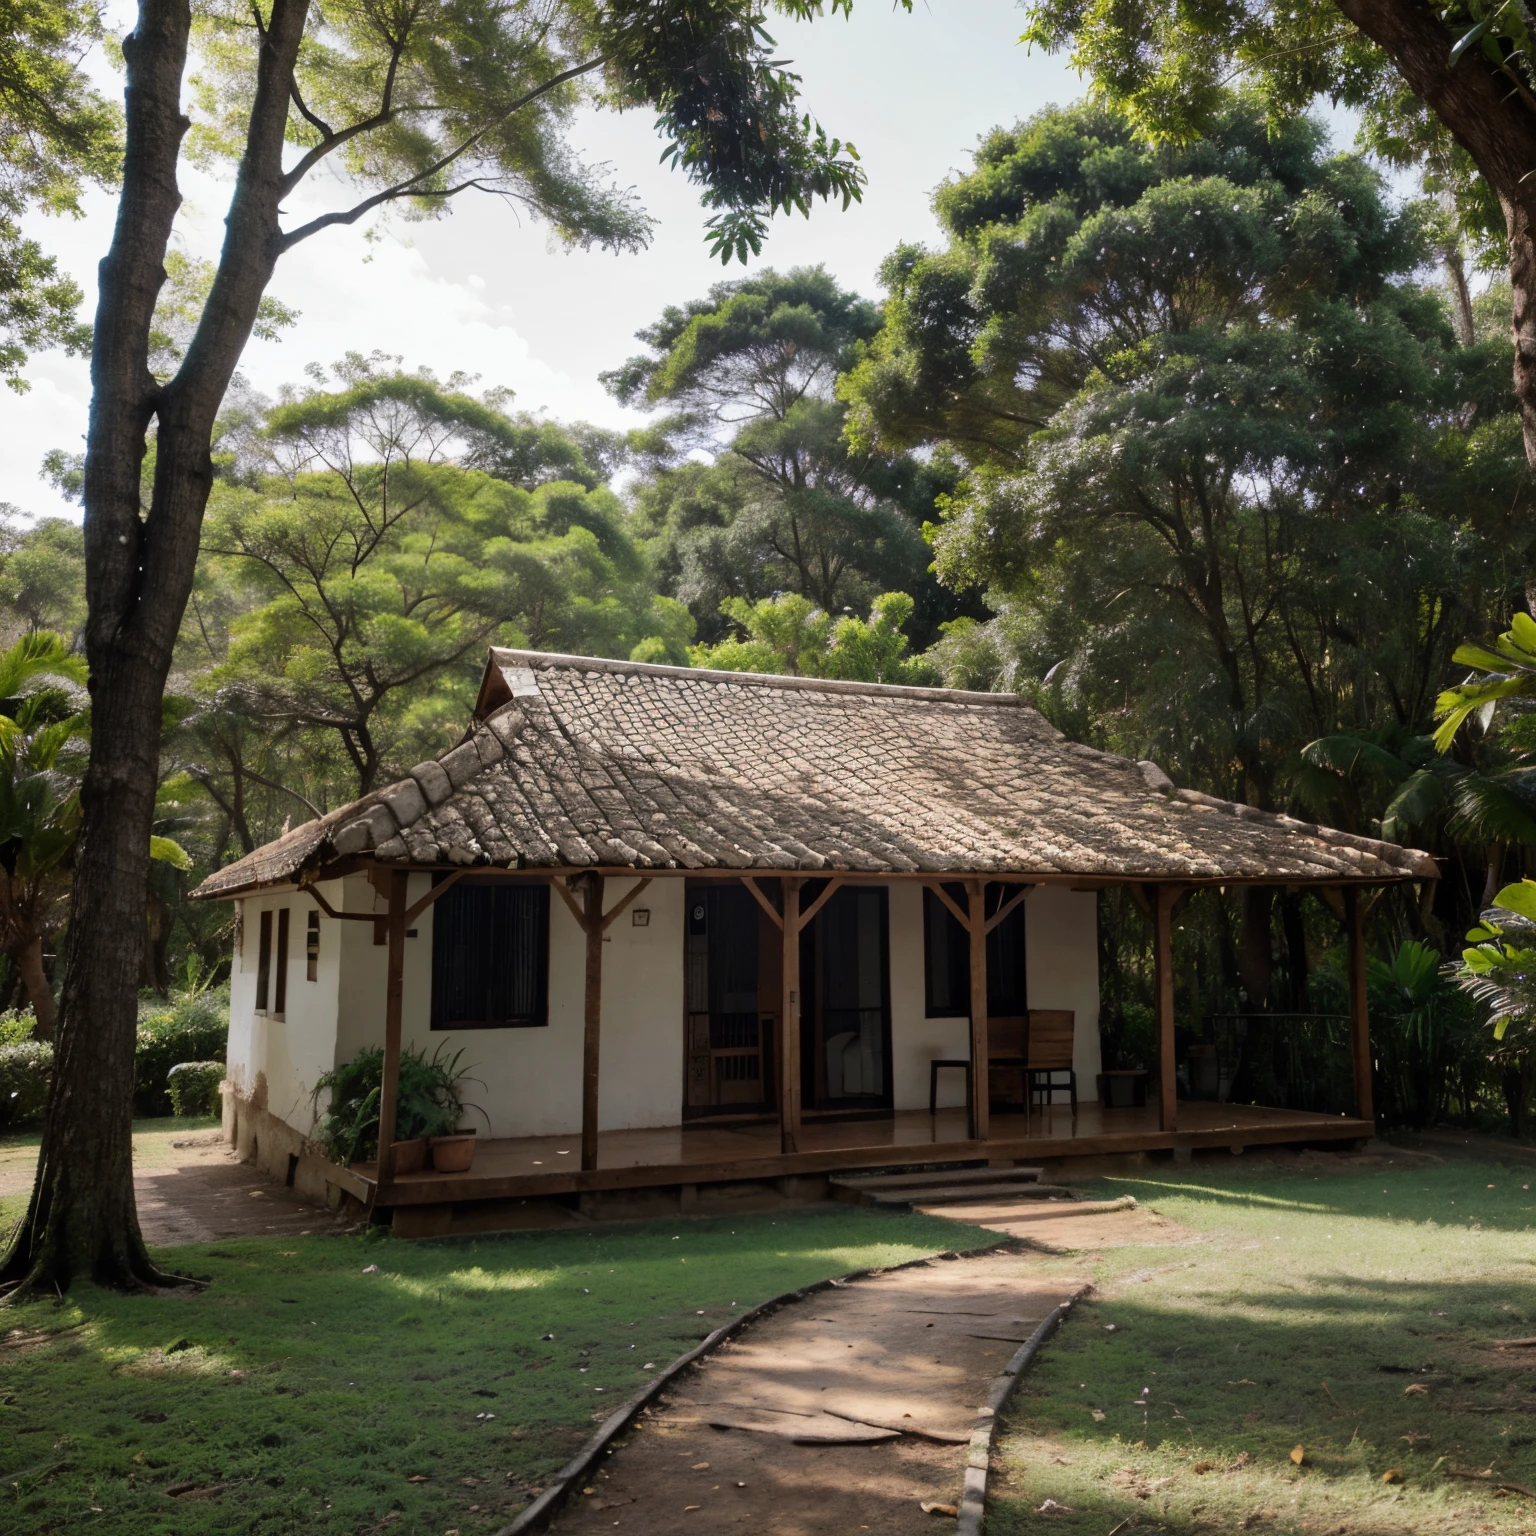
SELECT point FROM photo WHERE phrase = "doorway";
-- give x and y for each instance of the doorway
(845, 1012)
(732, 970)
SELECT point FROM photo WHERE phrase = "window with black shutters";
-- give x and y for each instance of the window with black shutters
(264, 964)
(947, 957)
(490, 955)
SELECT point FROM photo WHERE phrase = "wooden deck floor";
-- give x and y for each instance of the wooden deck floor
(705, 1154)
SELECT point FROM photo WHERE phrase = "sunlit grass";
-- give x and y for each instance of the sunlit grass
(315, 1377)
(1350, 1315)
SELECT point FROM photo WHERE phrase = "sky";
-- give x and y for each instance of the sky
(483, 292)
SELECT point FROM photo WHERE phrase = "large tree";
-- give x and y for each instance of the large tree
(1449, 89)
(746, 375)
(406, 106)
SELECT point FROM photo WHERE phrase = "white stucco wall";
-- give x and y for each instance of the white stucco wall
(529, 1080)
(275, 1061)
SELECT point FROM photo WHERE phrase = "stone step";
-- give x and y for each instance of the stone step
(957, 1194)
(937, 1176)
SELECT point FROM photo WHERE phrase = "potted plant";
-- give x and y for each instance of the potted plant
(428, 1106)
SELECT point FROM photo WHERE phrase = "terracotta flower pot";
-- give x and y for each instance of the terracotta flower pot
(455, 1153)
(409, 1156)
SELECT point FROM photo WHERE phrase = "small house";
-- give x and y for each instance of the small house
(693, 927)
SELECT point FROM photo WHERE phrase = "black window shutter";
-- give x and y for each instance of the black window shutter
(490, 955)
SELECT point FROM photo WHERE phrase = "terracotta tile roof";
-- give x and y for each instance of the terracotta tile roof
(575, 762)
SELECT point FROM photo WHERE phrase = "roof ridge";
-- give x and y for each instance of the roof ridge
(552, 659)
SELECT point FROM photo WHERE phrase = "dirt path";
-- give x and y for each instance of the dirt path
(192, 1189)
(808, 1424)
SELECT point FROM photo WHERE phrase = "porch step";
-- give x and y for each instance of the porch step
(937, 1176)
(965, 1194)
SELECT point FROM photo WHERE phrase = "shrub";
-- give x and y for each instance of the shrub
(193, 1028)
(16, 1025)
(193, 1087)
(428, 1102)
(25, 1070)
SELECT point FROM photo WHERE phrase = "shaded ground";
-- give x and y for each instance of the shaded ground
(914, 1348)
(190, 1187)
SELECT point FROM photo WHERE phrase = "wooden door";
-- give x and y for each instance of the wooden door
(727, 1034)
(845, 1021)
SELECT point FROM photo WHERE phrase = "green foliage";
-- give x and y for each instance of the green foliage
(1425, 1031)
(1498, 966)
(429, 1101)
(787, 635)
(42, 575)
(193, 1088)
(1508, 672)
(193, 1028)
(16, 1026)
(365, 561)
(747, 375)
(55, 133)
(26, 1069)
(1168, 64)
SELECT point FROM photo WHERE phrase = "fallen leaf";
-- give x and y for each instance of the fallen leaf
(1299, 1455)
(1415, 1389)
(1203, 1466)
(1051, 1507)
(701, 1466)
(1098, 1415)
(418, 1478)
(688, 1509)
(1393, 1474)
(930, 1508)
(372, 1269)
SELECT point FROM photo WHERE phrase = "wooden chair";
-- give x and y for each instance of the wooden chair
(1051, 1032)
(1008, 1058)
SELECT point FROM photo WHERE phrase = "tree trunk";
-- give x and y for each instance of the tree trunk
(139, 569)
(155, 972)
(1256, 958)
(1490, 121)
(28, 961)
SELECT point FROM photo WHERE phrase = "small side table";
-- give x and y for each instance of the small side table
(933, 1080)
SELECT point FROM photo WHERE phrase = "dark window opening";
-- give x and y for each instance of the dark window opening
(490, 956)
(947, 957)
(312, 948)
(293, 1169)
(280, 999)
(264, 963)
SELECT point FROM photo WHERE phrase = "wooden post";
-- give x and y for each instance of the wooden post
(981, 1091)
(1167, 1066)
(394, 996)
(592, 1036)
(789, 1021)
(1359, 1006)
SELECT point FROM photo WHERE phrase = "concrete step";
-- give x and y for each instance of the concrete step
(937, 1176)
(958, 1194)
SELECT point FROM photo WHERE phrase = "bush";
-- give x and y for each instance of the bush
(25, 1070)
(193, 1028)
(193, 1087)
(16, 1025)
(428, 1103)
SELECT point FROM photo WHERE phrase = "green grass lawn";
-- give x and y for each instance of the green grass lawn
(332, 1382)
(1351, 1315)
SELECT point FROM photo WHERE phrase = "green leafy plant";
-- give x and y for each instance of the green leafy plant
(194, 1028)
(25, 1070)
(193, 1087)
(428, 1102)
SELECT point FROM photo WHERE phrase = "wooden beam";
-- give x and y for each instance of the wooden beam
(394, 996)
(330, 911)
(1008, 906)
(980, 1118)
(1167, 1065)
(961, 917)
(789, 1021)
(622, 905)
(560, 884)
(762, 900)
(592, 1034)
(438, 889)
(1355, 912)
(821, 901)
